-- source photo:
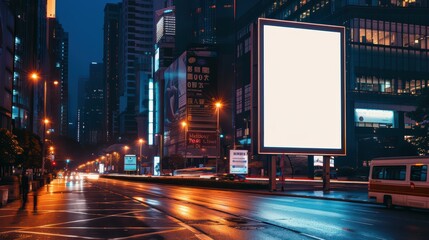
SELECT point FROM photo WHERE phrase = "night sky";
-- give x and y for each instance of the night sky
(83, 20)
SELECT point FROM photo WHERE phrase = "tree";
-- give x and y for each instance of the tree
(370, 148)
(421, 116)
(32, 148)
(9, 149)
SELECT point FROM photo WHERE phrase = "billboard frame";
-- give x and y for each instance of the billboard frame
(296, 149)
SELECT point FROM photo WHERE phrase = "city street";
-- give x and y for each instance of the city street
(112, 209)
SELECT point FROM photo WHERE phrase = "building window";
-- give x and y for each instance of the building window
(376, 32)
(247, 97)
(239, 100)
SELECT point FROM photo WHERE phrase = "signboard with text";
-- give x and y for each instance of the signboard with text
(238, 162)
(200, 140)
(130, 163)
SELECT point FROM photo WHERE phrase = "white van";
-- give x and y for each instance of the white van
(401, 181)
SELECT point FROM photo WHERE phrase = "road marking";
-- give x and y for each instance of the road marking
(311, 236)
(364, 223)
(55, 234)
(196, 232)
(367, 211)
(148, 234)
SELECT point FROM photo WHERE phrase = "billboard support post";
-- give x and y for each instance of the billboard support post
(282, 167)
(273, 168)
(326, 173)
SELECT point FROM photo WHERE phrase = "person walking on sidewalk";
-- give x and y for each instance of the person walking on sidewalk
(25, 188)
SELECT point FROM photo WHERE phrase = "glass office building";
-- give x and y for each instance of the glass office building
(387, 66)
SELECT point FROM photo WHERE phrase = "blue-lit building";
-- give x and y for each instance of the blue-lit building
(6, 65)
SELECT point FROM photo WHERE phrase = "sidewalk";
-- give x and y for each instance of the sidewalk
(351, 191)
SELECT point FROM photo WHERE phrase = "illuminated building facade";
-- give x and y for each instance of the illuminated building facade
(387, 47)
(6, 65)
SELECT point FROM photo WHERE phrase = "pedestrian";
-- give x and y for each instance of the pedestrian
(25, 188)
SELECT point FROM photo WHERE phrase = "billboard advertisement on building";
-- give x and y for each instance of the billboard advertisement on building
(190, 88)
(201, 88)
(386, 117)
(238, 162)
(301, 88)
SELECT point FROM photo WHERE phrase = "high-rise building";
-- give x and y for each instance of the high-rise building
(136, 52)
(57, 83)
(6, 65)
(80, 118)
(190, 87)
(165, 24)
(387, 59)
(29, 56)
(111, 69)
(207, 25)
(92, 113)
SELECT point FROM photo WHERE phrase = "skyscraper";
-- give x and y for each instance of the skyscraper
(29, 56)
(92, 113)
(136, 51)
(6, 65)
(111, 69)
(57, 94)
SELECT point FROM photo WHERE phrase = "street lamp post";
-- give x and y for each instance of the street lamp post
(185, 127)
(35, 77)
(140, 154)
(45, 122)
(218, 106)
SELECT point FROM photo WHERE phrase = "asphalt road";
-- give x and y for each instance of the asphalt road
(112, 209)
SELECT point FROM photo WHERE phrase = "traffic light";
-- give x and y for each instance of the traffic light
(54, 163)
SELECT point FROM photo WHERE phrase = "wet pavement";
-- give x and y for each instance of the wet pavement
(65, 211)
(352, 191)
(78, 211)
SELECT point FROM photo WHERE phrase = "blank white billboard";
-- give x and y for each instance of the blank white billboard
(301, 88)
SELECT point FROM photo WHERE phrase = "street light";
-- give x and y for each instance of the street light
(35, 76)
(141, 141)
(185, 129)
(218, 106)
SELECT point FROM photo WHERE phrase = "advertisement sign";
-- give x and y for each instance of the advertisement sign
(190, 84)
(301, 75)
(318, 161)
(200, 80)
(374, 116)
(130, 163)
(101, 168)
(201, 140)
(156, 166)
(238, 162)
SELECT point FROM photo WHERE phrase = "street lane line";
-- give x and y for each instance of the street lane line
(311, 236)
(56, 235)
(149, 234)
